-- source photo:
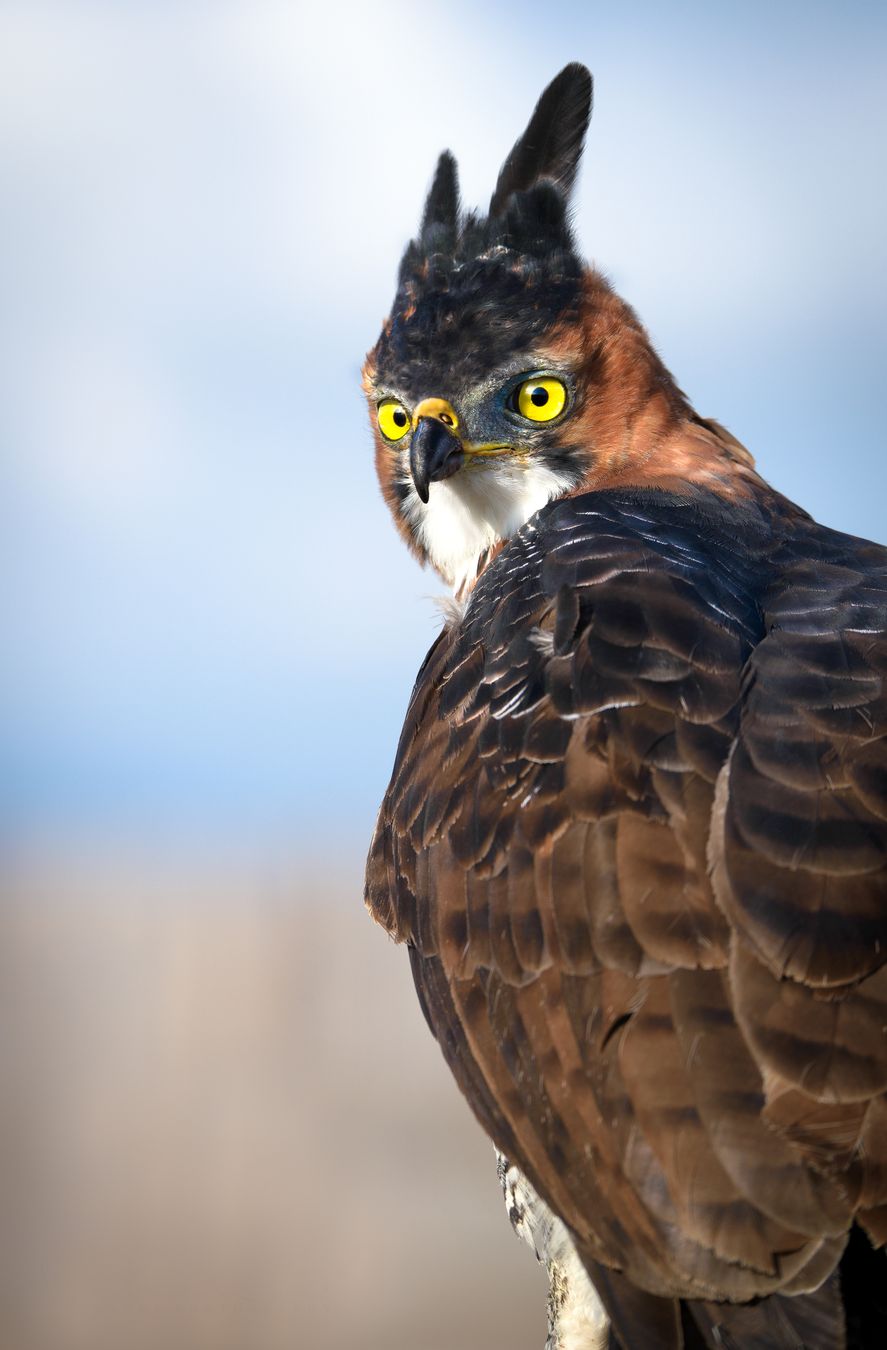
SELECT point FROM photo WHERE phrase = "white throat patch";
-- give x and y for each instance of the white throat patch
(475, 509)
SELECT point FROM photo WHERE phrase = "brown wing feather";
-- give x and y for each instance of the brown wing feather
(692, 1075)
(803, 859)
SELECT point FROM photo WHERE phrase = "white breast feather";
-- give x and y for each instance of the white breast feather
(475, 509)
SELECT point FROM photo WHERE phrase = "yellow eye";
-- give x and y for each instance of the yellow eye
(394, 420)
(541, 400)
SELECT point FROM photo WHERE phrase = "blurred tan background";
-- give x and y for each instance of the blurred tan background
(225, 1126)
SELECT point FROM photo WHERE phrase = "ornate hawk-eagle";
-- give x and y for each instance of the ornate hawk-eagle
(635, 837)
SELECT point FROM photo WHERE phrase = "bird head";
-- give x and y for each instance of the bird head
(508, 373)
(467, 400)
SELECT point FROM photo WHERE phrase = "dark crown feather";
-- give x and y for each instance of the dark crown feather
(441, 214)
(528, 211)
(551, 146)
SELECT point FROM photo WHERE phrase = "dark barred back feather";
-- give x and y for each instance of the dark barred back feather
(703, 1123)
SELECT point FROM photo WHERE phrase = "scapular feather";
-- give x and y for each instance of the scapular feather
(551, 146)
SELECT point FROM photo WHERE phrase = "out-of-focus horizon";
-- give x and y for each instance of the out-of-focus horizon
(225, 1125)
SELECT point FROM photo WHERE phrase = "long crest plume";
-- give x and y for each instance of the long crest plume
(440, 219)
(551, 146)
(528, 210)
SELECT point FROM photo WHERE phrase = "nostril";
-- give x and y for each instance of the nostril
(446, 419)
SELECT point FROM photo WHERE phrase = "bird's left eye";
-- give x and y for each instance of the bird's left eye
(394, 420)
(541, 399)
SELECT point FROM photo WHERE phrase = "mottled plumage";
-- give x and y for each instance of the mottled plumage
(636, 833)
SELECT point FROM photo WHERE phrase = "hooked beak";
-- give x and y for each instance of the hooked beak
(435, 451)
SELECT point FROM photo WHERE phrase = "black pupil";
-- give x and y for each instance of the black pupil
(539, 396)
(399, 417)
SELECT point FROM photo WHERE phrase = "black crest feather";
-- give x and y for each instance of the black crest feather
(440, 219)
(551, 146)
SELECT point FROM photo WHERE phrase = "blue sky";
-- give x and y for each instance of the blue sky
(210, 628)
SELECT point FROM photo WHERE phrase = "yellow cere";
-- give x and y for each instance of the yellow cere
(541, 400)
(394, 420)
